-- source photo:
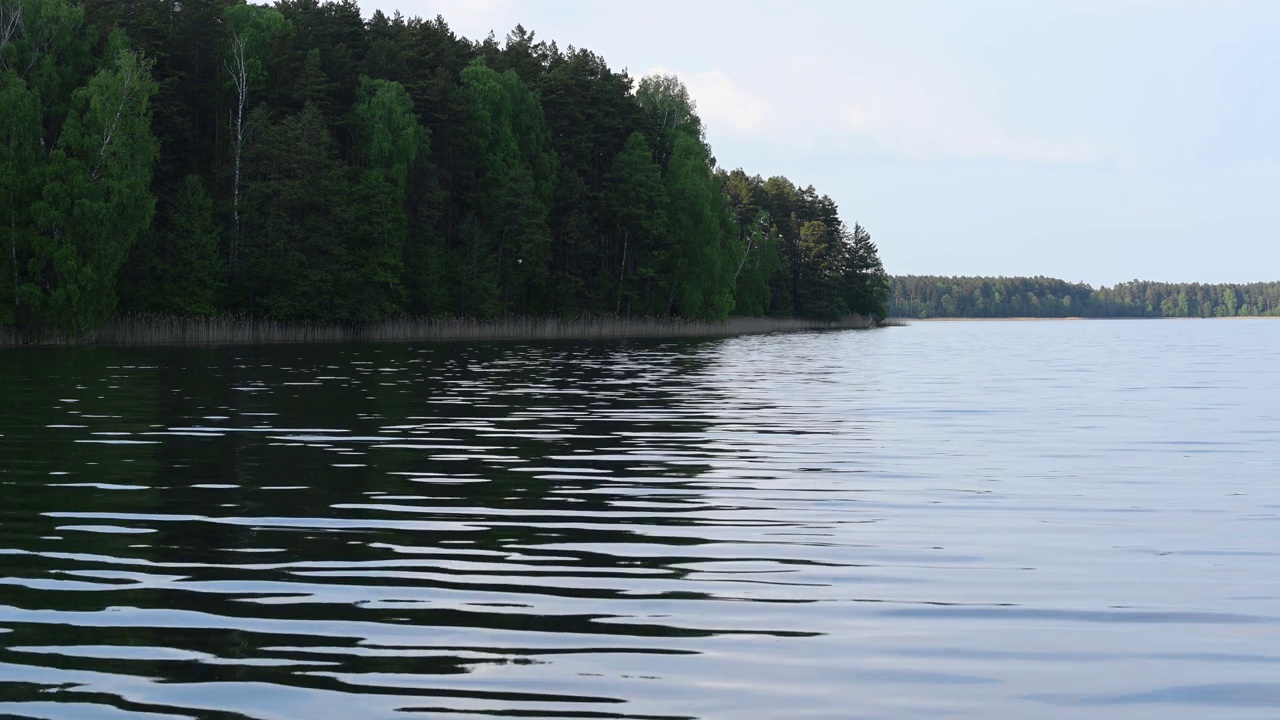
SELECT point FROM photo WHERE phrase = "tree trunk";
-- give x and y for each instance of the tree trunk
(745, 254)
(622, 272)
(239, 75)
(13, 249)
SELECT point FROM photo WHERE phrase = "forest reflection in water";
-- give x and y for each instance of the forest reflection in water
(895, 523)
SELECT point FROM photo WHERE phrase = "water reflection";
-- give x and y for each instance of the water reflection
(318, 525)
(763, 527)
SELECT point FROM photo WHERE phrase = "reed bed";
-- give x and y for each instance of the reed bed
(161, 330)
(13, 337)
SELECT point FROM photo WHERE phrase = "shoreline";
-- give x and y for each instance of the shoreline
(908, 321)
(160, 331)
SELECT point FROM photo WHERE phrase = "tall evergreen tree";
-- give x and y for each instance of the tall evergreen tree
(297, 162)
(177, 267)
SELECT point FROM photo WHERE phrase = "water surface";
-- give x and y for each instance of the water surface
(974, 520)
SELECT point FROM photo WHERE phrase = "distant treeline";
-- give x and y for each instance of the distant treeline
(295, 162)
(924, 296)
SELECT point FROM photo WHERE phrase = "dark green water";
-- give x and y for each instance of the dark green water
(986, 520)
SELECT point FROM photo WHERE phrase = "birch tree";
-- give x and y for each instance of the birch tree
(94, 200)
(518, 174)
(74, 163)
(391, 140)
(252, 28)
(96, 197)
(668, 110)
(697, 268)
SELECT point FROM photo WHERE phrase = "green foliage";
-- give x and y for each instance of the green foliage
(253, 29)
(636, 210)
(311, 166)
(476, 274)
(517, 167)
(696, 266)
(927, 296)
(796, 256)
(865, 283)
(20, 181)
(820, 258)
(292, 254)
(176, 268)
(44, 44)
(390, 135)
(760, 259)
(668, 112)
(372, 222)
(94, 202)
(377, 218)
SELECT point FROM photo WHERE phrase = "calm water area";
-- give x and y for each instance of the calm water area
(955, 519)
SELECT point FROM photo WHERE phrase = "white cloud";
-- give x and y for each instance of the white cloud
(724, 104)
(918, 106)
(927, 126)
(470, 18)
(722, 101)
(866, 117)
(921, 118)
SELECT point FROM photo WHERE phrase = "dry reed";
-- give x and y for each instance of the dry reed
(14, 337)
(137, 330)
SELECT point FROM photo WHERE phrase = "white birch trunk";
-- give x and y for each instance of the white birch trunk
(240, 76)
(129, 78)
(622, 272)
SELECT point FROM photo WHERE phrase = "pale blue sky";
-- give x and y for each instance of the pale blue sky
(1094, 140)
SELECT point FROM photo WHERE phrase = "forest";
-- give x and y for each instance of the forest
(919, 296)
(300, 162)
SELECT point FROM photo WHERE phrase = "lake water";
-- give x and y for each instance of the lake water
(972, 520)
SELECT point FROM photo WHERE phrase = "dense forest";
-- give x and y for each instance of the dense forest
(915, 296)
(300, 162)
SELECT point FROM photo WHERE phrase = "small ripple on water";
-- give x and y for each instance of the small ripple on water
(761, 527)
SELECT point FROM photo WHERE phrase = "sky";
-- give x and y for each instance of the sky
(1091, 140)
